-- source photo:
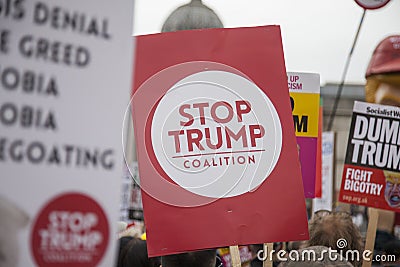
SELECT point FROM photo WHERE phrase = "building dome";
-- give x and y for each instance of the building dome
(194, 15)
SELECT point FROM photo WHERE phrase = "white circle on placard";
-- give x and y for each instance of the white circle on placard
(372, 4)
(216, 134)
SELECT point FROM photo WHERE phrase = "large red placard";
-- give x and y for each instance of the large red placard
(217, 153)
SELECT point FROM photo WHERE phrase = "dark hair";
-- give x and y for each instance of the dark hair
(203, 258)
(133, 253)
(392, 247)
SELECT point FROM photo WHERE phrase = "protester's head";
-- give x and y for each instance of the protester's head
(295, 245)
(203, 258)
(335, 230)
(315, 256)
(383, 73)
(133, 252)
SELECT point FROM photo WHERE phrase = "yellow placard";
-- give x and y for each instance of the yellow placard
(305, 110)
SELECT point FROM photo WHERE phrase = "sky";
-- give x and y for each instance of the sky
(317, 35)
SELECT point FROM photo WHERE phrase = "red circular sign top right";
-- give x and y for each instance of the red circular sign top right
(372, 4)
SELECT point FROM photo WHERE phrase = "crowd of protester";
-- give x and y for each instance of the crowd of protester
(322, 248)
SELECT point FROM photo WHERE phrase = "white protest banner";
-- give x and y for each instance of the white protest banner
(328, 147)
(65, 77)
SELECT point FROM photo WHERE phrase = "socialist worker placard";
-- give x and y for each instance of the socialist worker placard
(214, 134)
(371, 175)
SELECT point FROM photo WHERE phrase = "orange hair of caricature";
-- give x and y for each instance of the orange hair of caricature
(392, 177)
(374, 81)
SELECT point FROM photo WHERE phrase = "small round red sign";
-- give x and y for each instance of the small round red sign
(372, 4)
